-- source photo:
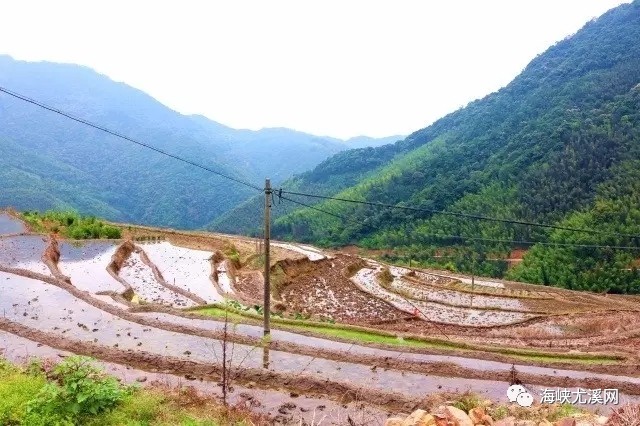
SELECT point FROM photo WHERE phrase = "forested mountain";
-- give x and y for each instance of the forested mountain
(560, 144)
(49, 161)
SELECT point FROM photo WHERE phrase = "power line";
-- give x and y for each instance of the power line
(463, 237)
(521, 242)
(313, 208)
(462, 215)
(119, 135)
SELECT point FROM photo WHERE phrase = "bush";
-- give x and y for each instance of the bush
(71, 224)
(80, 390)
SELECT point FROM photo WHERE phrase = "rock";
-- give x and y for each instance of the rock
(476, 415)
(394, 421)
(426, 420)
(141, 379)
(440, 412)
(487, 420)
(545, 422)
(507, 421)
(525, 423)
(459, 417)
(419, 418)
(602, 420)
(567, 421)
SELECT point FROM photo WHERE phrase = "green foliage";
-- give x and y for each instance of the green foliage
(468, 401)
(556, 145)
(16, 390)
(616, 209)
(71, 224)
(80, 390)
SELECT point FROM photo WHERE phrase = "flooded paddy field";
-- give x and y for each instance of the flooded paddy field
(150, 332)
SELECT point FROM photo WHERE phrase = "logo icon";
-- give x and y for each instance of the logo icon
(518, 394)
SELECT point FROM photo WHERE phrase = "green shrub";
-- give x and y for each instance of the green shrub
(80, 390)
(71, 224)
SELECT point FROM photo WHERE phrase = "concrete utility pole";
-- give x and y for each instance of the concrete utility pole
(267, 262)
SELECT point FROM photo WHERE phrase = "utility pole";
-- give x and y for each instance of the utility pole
(267, 263)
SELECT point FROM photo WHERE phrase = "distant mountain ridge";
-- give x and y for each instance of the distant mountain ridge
(48, 161)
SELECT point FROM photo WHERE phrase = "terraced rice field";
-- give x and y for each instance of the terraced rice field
(10, 225)
(366, 280)
(25, 252)
(186, 268)
(86, 265)
(144, 283)
(381, 349)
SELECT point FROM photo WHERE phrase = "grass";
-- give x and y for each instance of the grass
(357, 334)
(140, 407)
(16, 389)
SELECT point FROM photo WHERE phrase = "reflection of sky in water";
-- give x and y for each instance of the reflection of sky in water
(10, 225)
(24, 252)
(86, 264)
(185, 268)
(53, 310)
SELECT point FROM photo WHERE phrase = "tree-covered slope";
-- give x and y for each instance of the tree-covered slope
(49, 161)
(552, 146)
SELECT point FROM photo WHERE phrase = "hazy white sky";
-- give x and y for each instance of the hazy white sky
(329, 67)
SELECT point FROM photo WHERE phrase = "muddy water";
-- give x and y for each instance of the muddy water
(456, 297)
(51, 309)
(10, 225)
(86, 264)
(366, 280)
(141, 278)
(224, 281)
(19, 350)
(186, 268)
(315, 342)
(25, 252)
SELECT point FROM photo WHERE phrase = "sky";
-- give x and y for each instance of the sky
(337, 68)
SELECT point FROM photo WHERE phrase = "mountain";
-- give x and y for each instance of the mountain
(49, 161)
(560, 144)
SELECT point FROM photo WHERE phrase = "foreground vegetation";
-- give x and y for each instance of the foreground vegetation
(70, 224)
(78, 392)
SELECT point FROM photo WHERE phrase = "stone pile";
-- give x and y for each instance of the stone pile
(448, 415)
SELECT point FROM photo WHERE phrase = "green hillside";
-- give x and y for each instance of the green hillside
(47, 161)
(559, 144)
